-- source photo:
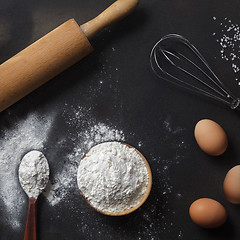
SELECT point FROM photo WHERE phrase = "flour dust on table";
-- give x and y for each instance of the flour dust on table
(24, 135)
(161, 217)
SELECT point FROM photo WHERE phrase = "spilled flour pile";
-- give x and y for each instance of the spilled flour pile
(15, 142)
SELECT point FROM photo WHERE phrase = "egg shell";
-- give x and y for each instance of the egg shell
(207, 213)
(211, 137)
(231, 185)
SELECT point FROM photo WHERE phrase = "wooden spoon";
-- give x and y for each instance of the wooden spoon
(144, 198)
(33, 182)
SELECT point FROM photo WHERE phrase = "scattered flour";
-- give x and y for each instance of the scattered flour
(33, 173)
(26, 135)
(160, 219)
(101, 133)
(112, 177)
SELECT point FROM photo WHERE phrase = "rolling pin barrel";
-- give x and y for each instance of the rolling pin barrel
(53, 53)
(42, 61)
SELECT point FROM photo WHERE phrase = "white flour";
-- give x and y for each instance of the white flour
(112, 177)
(64, 181)
(27, 134)
(34, 173)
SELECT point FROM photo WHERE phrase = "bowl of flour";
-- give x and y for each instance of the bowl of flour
(114, 178)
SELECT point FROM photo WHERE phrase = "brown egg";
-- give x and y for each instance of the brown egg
(211, 137)
(207, 213)
(231, 185)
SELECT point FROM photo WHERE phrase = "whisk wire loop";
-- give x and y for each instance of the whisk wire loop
(163, 54)
(192, 75)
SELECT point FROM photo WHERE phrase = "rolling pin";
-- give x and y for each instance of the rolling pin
(53, 53)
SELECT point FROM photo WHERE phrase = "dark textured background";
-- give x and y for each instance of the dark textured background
(133, 100)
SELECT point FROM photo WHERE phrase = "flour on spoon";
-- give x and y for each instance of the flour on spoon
(33, 173)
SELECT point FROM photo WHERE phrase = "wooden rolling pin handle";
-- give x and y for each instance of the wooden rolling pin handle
(117, 11)
(31, 229)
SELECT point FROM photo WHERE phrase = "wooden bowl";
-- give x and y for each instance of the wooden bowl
(144, 198)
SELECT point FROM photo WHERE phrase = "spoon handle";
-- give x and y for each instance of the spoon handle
(30, 230)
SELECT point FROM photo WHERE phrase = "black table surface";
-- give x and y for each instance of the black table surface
(118, 86)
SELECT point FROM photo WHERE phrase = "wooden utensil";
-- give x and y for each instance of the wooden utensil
(33, 178)
(31, 229)
(142, 201)
(53, 53)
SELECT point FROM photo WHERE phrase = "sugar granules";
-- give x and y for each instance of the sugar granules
(25, 135)
(229, 42)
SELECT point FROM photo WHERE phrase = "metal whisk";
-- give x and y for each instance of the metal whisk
(175, 59)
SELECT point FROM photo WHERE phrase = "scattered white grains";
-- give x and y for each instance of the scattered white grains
(229, 42)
